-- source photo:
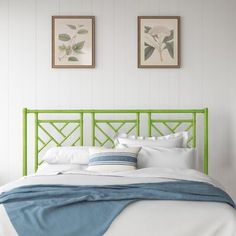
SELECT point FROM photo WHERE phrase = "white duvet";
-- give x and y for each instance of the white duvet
(144, 218)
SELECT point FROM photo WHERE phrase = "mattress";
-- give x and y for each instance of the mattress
(145, 217)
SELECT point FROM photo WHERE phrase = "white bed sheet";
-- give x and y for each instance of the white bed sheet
(164, 218)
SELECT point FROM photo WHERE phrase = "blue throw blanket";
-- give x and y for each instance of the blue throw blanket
(61, 210)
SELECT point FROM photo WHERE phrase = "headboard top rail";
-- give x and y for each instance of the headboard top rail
(115, 111)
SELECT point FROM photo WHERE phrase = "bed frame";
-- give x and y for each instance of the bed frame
(131, 123)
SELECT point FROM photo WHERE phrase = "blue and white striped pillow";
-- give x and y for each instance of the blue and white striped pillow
(111, 160)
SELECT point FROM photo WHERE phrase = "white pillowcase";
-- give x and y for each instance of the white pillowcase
(177, 140)
(167, 157)
(113, 160)
(67, 155)
(46, 168)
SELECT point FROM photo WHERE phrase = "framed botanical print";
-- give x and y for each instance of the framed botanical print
(158, 41)
(73, 41)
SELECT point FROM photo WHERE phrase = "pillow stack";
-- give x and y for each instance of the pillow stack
(168, 151)
(131, 152)
(98, 159)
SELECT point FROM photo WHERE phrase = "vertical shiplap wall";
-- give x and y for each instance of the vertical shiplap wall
(206, 79)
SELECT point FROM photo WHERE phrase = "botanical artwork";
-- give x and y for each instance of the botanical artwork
(71, 50)
(158, 38)
(158, 42)
(73, 41)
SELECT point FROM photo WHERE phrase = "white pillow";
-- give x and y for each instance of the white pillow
(46, 168)
(177, 140)
(67, 155)
(167, 158)
(113, 160)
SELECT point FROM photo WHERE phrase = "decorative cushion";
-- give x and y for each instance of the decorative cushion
(112, 160)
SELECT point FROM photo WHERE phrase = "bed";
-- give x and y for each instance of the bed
(62, 199)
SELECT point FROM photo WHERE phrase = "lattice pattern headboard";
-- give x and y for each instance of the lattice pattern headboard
(71, 127)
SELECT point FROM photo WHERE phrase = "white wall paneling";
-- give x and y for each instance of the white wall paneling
(206, 78)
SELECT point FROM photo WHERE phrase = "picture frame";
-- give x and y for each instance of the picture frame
(73, 41)
(158, 41)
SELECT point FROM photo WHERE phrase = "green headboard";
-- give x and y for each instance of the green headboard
(69, 127)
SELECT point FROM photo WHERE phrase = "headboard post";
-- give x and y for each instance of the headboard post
(206, 140)
(194, 130)
(24, 141)
(36, 158)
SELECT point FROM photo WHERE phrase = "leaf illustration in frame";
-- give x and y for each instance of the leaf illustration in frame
(64, 37)
(170, 37)
(62, 47)
(78, 46)
(148, 51)
(170, 48)
(72, 59)
(72, 27)
(82, 31)
(146, 29)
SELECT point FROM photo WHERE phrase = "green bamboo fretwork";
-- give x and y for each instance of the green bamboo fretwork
(103, 129)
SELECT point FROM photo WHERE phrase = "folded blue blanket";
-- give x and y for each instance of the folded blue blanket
(61, 210)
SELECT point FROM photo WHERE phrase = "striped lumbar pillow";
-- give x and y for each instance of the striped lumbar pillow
(111, 160)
